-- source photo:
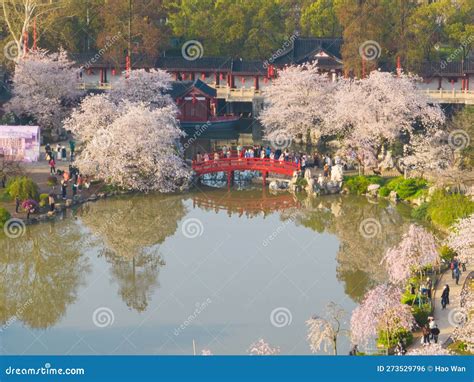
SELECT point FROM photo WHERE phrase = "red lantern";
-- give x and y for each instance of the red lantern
(265, 79)
(203, 76)
(194, 99)
(114, 72)
(270, 71)
(221, 76)
(89, 71)
(243, 80)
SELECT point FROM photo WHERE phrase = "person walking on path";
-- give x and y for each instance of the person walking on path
(457, 275)
(445, 297)
(64, 189)
(17, 204)
(52, 166)
(429, 287)
(426, 335)
(51, 202)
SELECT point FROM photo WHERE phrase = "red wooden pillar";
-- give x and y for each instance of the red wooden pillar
(255, 83)
(264, 178)
(439, 83)
(232, 81)
(101, 75)
(467, 82)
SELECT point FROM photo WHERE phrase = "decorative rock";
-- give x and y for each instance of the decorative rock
(332, 187)
(102, 195)
(51, 213)
(92, 198)
(68, 203)
(373, 187)
(393, 196)
(337, 173)
(276, 185)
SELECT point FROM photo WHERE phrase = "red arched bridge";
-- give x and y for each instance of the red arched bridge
(221, 163)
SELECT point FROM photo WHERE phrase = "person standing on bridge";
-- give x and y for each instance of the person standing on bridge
(206, 157)
(216, 156)
(268, 152)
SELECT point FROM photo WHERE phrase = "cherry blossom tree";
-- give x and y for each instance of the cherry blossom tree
(324, 332)
(381, 310)
(428, 152)
(261, 347)
(431, 349)
(136, 150)
(464, 332)
(461, 239)
(376, 111)
(44, 88)
(143, 86)
(296, 103)
(95, 114)
(416, 250)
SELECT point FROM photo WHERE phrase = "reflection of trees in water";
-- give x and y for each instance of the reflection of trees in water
(358, 257)
(41, 272)
(131, 230)
(129, 225)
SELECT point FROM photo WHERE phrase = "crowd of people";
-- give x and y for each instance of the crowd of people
(305, 161)
(69, 179)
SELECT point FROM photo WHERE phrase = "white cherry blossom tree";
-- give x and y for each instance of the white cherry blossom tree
(44, 88)
(138, 149)
(296, 103)
(143, 86)
(461, 239)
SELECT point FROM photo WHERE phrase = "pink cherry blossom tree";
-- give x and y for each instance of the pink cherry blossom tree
(324, 332)
(380, 310)
(461, 239)
(143, 86)
(296, 103)
(464, 332)
(261, 347)
(376, 111)
(416, 250)
(431, 349)
(44, 88)
(130, 145)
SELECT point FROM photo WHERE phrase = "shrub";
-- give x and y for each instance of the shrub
(402, 334)
(421, 313)
(29, 204)
(358, 184)
(4, 216)
(444, 208)
(406, 188)
(446, 253)
(23, 188)
(420, 212)
(384, 191)
(52, 181)
(43, 200)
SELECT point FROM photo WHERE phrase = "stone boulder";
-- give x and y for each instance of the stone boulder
(277, 185)
(373, 189)
(393, 196)
(68, 203)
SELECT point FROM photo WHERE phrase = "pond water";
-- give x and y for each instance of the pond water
(151, 274)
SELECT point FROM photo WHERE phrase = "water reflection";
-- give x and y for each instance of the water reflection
(131, 230)
(41, 273)
(129, 238)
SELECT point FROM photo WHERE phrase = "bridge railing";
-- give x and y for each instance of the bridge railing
(237, 163)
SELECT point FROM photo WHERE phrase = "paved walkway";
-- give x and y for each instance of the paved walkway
(442, 316)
